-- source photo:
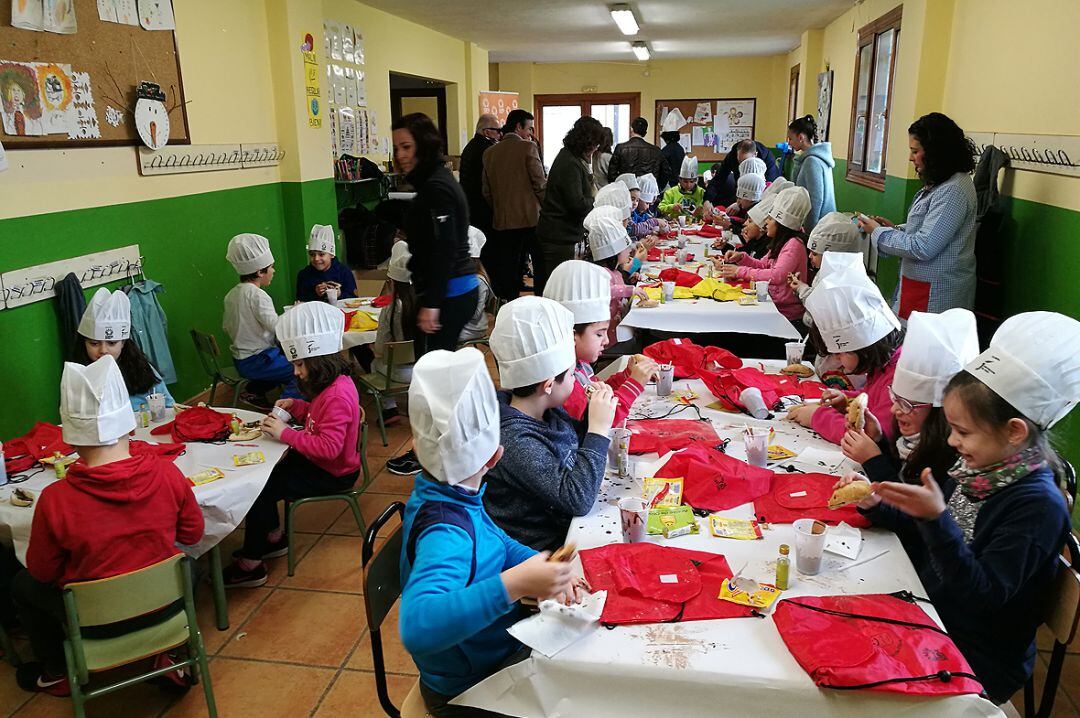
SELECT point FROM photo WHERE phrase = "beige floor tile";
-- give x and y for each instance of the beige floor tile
(139, 701)
(387, 483)
(397, 658)
(316, 517)
(242, 601)
(11, 696)
(353, 694)
(249, 689)
(308, 627)
(279, 567)
(332, 564)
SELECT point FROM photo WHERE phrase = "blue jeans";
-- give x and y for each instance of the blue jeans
(267, 369)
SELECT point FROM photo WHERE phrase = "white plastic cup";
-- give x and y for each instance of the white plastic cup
(634, 513)
(762, 289)
(332, 294)
(156, 404)
(751, 398)
(682, 220)
(664, 379)
(794, 352)
(280, 413)
(681, 242)
(809, 547)
(726, 236)
(757, 449)
(669, 291)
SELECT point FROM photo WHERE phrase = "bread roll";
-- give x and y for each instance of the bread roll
(856, 412)
(797, 370)
(852, 493)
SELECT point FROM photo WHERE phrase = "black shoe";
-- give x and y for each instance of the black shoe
(236, 577)
(404, 465)
(259, 401)
(276, 549)
(390, 416)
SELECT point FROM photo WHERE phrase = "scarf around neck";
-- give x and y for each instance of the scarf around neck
(905, 445)
(979, 484)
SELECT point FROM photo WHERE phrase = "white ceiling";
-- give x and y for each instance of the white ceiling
(582, 30)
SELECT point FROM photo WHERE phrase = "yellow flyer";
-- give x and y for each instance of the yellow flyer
(748, 592)
(663, 492)
(741, 529)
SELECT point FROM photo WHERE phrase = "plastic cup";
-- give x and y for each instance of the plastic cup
(809, 546)
(156, 404)
(762, 289)
(757, 449)
(280, 413)
(726, 236)
(681, 242)
(794, 352)
(751, 398)
(332, 294)
(634, 514)
(664, 379)
(669, 291)
(682, 220)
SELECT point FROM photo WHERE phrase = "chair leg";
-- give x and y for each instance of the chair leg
(291, 557)
(213, 390)
(355, 506)
(199, 648)
(1029, 698)
(378, 414)
(217, 582)
(77, 699)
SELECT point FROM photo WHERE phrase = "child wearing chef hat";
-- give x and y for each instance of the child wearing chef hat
(397, 323)
(610, 248)
(748, 191)
(644, 224)
(461, 575)
(686, 197)
(323, 271)
(114, 513)
(477, 328)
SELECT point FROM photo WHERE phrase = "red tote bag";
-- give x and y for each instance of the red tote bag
(714, 481)
(804, 496)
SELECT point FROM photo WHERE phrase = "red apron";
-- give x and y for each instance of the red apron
(43, 440)
(680, 277)
(689, 359)
(199, 423)
(804, 496)
(715, 481)
(664, 435)
(647, 583)
(164, 451)
(879, 642)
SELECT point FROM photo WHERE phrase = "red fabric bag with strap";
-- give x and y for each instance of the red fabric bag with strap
(165, 451)
(41, 441)
(877, 642)
(688, 359)
(681, 277)
(639, 580)
(199, 423)
(714, 481)
(804, 496)
(664, 435)
(706, 230)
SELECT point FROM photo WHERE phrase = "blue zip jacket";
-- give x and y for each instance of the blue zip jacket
(454, 629)
(814, 171)
(149, 328)
(308, 277)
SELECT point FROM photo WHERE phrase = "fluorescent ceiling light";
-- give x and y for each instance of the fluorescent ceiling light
(624, 18)
(641, 50)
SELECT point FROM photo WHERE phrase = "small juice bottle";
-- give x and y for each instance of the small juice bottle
(783, 568)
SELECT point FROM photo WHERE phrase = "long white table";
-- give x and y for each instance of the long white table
(737, 666)
(352, 339)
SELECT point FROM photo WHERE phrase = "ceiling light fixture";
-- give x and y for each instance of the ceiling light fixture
(641, 50)
(624, 18)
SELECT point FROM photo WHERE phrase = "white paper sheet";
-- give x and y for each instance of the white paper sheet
(3, 158)
(684, 140)
(125, 12)
(557, 627)
(697, 137)
(156, 15)
(27, 15)
(844, 540)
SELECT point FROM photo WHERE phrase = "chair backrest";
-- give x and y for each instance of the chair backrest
(129, 595)
(382, 570)
(398, 353)
(1063, 608)
(1068, 482)
(206, 347)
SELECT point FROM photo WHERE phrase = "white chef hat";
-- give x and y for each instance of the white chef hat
(1033, 363)
(607, 237)
(248, 253)
(583, 288)
(94, 405)
(603, 212)
(321, 239)
(848, 309)
(398, 267)
(615, 195)
(533, 341)
(673, 121)
(777, 186)
(107, 316)
(688, 170)
(791, 207)
(454, 414)
(647, 188)
(760, 211)
(833, 262)
(628, 179)
(750, 186)
(310, 329)
(936, 347)
(752, 166)
(835, 232)
(477, 240)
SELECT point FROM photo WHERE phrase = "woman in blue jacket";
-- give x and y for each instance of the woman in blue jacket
(813, 168)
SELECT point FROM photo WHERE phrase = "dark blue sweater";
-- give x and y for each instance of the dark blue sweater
(550, 472)
(308, 277)
(989, 593)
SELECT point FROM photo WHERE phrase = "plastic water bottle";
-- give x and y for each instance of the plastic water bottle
(3, 467)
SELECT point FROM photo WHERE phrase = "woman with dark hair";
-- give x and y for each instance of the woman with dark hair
(436, 228)
(813, 167)
(936, 245)
(602, 159)
(569, 197)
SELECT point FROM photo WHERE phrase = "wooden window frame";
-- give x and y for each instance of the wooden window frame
(868, 35)
(585, 100)
(793, 93)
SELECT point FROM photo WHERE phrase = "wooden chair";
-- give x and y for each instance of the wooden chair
(1061, 617)
(382, 588)
(207, 348)
(382, 385)
(132, 597)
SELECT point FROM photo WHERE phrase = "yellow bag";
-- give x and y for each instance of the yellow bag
(679, 293)
(363, 322)
(715, 289)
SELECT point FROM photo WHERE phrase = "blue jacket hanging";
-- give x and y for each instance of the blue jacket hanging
(149, 327)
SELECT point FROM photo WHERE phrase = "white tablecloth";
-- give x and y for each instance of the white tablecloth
(224, 502)
(682, 316)
(352, 339)
(736, 666)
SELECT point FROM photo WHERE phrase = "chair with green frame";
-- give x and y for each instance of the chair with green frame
(382, 588)
(351, 497)
(494, 304)
(153, 591)
(380, 385)
(207, 348)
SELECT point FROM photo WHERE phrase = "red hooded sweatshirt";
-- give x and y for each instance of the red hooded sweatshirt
(111, 519)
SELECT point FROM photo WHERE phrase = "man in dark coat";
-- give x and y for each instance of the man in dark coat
(488, 132)
(636, 155)
(721, 188)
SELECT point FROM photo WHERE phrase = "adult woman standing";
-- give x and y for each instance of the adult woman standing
(936, 245)
(437, 230)
(813, 168)
(568, 198)
(601, 159)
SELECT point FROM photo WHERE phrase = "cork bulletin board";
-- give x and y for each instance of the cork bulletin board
(727, 120)
(117, 57)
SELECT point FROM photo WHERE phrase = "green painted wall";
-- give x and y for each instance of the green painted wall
(183, 241)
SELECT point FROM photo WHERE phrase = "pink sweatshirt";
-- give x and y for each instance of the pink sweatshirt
(331, 426)
(620, 291)
(832, 424)
(791, 260)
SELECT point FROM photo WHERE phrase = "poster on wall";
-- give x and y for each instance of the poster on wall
(824, 102)
(312, 96)
(498, 103)
(20, 99)
(124, 12)
(59, 16)
(27, 15)
(733, 122)
(57, 97)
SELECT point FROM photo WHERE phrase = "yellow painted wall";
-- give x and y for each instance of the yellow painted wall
(427, 105)
(664, 79)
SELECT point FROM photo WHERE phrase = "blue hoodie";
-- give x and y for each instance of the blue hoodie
(454, 629)
(814, 171)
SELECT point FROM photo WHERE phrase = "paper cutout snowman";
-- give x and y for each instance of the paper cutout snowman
(151, 117)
